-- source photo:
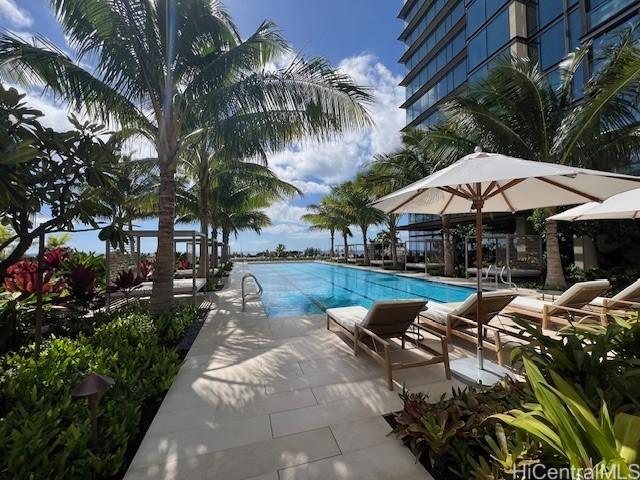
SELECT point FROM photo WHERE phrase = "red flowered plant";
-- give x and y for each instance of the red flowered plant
(146, 268)
(55, 257)
(22, 277)
(184, 264)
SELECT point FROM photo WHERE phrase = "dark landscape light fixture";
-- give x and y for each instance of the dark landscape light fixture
(92, 387)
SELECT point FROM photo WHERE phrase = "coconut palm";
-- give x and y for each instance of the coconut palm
(516, 111)
(158, 61)
(320, 218)
(411, 162)
(357, 198)
(236, 194)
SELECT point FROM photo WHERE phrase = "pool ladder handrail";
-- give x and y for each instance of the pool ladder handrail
(250, 294)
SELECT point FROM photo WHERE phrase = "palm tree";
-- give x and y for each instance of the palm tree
(236, 194)
(350, 201)
(320, 218)
(159, 61)
(516, 111)
(413, 161)
(60, 240)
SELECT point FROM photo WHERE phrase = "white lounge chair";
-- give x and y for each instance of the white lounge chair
(627, 299)
(460, 319)
(567, 307)
(371, 329)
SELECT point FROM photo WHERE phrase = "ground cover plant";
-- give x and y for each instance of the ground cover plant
(579, 406)
(46, 433)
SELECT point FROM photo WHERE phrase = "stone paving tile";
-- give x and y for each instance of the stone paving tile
(201, 440)
(384, 461)
(309, 418)
(278, 399)
(362, 434)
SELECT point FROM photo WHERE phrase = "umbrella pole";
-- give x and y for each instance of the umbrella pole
(479, 202)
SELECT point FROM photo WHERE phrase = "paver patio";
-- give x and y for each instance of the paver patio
(260, 398)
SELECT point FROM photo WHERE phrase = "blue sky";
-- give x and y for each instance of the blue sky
(359, 36)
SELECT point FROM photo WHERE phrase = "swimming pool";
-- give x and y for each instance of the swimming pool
(294, 289)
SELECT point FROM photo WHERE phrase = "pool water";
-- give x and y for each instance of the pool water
(295, 289)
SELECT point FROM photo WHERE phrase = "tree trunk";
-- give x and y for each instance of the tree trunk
(367, 261)
(162, 291)
(449, 270)
(225, 245)
(333, 236)
(214, 247)
(346, 248)
(203, 268)
(555, 276)
(393, 232)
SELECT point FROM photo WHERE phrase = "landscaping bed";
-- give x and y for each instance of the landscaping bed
(579, 409)
(45, 433)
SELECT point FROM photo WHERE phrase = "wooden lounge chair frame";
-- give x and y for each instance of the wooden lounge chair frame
(566, 313)
(383, 357)
(451, 329)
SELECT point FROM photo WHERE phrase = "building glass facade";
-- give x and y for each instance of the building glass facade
(451, 42)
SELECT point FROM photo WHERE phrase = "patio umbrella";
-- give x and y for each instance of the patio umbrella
(491, 182)
(623, 206)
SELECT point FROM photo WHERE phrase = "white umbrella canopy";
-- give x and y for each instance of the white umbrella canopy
(491, 182)
(623, 206)
(506, 184)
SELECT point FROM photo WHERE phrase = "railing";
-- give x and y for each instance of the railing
(508, 281)
(250, 294)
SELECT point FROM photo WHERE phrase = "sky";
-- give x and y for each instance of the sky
(358, 36)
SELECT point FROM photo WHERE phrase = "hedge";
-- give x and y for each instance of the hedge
(45, 433)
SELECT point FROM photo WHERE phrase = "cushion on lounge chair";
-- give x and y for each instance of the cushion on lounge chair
(492, 304)
(384, 318)
(348, 317)
(629, 294)
(577, 296)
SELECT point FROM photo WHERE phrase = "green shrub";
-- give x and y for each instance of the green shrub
(445, 434)
(172, 326)
(45, 433)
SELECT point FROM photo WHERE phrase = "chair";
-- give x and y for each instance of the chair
(627, 299)
(386, 320)
(566, 307)
(460, 319)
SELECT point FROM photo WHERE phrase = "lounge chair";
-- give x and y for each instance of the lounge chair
(627, 299)
(371, 329)
(567, 307)
(460, 319)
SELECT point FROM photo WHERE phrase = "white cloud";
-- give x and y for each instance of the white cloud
(314, 167)
(14, 14)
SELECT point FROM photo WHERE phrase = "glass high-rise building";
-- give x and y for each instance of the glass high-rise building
(451, 41)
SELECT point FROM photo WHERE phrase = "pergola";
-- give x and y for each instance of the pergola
(192, 238)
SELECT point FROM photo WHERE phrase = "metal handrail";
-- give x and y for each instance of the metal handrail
(248, 294)
(507, 282)
(486, 277)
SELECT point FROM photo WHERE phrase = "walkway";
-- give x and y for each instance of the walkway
(278, 399)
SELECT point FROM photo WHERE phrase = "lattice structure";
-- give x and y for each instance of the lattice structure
(123, 260)
(425, 254)
(130, 258)
(519, 255)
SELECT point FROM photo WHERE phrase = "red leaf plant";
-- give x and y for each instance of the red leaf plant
(184, 264)
(146, 268)
(55, 257)
(81, 283)
(126, 281)
(22, 277)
